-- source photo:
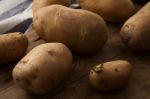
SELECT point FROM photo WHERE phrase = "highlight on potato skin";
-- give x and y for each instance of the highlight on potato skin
(37, 4)
(135, 32)
(43, 68)
(111, 75)
(82, 31)
(111, 10)
(12, 46)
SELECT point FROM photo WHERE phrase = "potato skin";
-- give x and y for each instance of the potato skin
(135, 33)
(82, 31)
(43, 68)
(110, 75)
(12, 46)
(37, 4)
(110, 10)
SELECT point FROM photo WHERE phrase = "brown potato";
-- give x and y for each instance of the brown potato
(82, 31)
(110, 75)
(12, 46)
(43, 68)
(135, 33)
(110, 10)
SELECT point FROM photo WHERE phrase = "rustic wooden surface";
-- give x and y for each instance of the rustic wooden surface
(76, 85)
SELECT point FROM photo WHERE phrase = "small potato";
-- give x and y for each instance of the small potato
(135, 33)
(43, 68)
(82, 31)
(12, 46)
(110, 10)
(110, 75)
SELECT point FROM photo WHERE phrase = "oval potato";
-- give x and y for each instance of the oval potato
(110, 10)
(82, 31)
(135, 33)
(12, 46)
(110, 75)
(43, 68)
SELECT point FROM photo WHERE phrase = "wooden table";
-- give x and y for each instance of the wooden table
(76, 85)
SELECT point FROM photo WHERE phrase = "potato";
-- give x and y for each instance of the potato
(82, 31)
(37, 4)
(110, 75)
(12, 46)
(110, 10)
(135, 33)
(43, 68)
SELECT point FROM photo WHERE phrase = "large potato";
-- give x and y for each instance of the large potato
(110, 10)
(82, 31)
(135, 33)
(110, 75)
(43, 68)
(12, 46)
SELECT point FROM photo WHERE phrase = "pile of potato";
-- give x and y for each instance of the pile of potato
(83, 31)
